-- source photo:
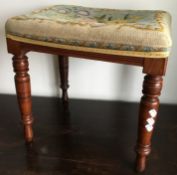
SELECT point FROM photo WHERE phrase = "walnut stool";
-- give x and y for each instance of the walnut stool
(141, 38)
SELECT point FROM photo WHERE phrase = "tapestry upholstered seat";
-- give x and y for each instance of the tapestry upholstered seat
(131, 37)
(138, 33)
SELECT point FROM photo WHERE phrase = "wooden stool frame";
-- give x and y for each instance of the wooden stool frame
(154, 68)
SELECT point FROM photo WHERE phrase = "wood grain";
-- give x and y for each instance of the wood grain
(154, 68)
(23, 89)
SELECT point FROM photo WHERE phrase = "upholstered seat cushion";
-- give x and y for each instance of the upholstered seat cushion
(140, 33)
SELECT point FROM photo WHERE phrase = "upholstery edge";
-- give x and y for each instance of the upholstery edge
(88, 49)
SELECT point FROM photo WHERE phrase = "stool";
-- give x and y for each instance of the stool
(134, 37)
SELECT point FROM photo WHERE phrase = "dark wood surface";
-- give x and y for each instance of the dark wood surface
(88, 138)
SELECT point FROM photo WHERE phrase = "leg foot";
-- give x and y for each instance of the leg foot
(28, 133)
(141, 163)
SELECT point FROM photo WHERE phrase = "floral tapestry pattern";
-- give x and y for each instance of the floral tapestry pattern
(75, 19)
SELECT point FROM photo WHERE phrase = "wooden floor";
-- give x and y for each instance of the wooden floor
(88, 138)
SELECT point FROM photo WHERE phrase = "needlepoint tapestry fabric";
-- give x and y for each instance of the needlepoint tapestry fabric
(136, 33)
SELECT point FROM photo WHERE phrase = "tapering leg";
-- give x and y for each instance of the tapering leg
(23, 89)
(147, 116)
(64, 67)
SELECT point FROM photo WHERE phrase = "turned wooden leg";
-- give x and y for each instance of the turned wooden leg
(23, 89)
(64, 67)
(147, 116)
